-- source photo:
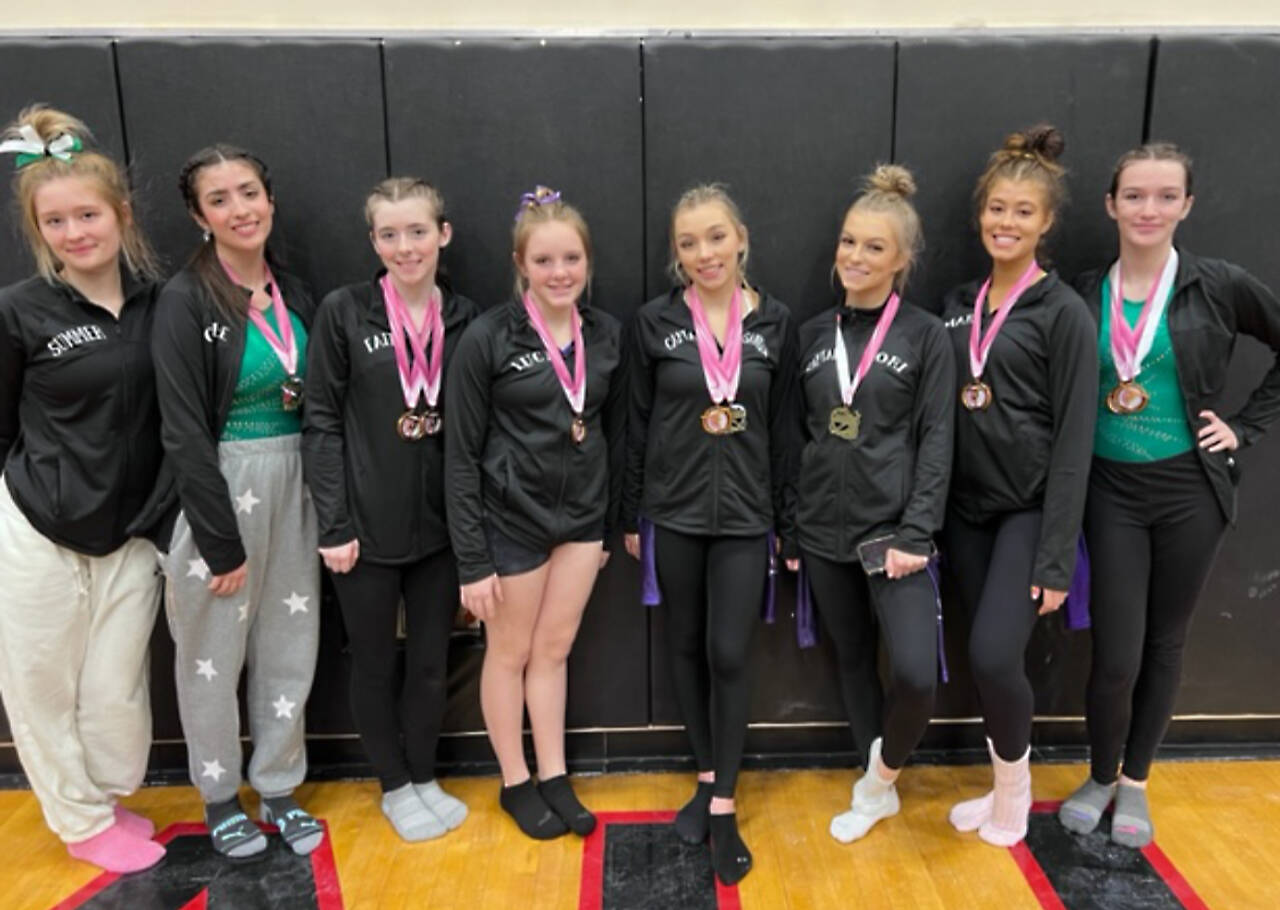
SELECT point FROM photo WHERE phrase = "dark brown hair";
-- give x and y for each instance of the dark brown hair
(1151, 151)
(1030, 154)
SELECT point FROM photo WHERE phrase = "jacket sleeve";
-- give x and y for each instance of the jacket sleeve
(467, 394)
(934, 431)
(323, 426)
(186, 412)
(784, 404)
(615, 429)
(639, 406)
(12, 364)
(1073, 394)
(1257, 314)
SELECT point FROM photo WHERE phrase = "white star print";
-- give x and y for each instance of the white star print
(197, 568)
(244, 611)
(246, 501)
(213, 769)
(205, 668)
(296, 603)
(284, 708)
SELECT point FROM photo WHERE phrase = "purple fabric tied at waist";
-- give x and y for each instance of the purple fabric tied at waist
(932, 569)
(650, 595)
(806, 622)
(770, 612)
(1076, 616)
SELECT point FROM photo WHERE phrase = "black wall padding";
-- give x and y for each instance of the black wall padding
(487, 121)
(789, 125)
(959, 97)
(75, 76)
(311, 109)
(1216, 98)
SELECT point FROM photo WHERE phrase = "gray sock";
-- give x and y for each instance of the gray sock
(231, 831)
(1131, 821)
(411, 818)
(1082, 810)
(449, 809)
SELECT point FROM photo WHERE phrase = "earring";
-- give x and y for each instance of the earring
(207, 235)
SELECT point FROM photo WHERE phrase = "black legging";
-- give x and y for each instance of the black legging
(992, 565)
(712, 589)
(851, 605)
(399, 729)
(1153, 531)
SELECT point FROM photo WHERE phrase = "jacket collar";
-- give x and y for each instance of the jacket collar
(375, 307)
(676, 311)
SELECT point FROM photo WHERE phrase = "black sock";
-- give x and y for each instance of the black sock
(531, 812)
(729, 855)
(564, 802)
(691, 821)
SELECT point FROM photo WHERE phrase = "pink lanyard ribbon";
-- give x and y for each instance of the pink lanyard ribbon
(575, 386)
(284, 344)
(722, 371)
(848, 386)
(980, 344)
(1130, 345)
(422, 377)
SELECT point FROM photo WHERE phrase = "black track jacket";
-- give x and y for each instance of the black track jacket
(197, 354)
(679, 476)
(368, 483)
(1214, 302)
(1032, 447)
(509, 459)
(892, 478)
(79, 424)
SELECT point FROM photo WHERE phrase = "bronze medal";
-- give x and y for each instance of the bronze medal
(432, 422)
(1127, 398)
(291, 394)
(410, 426)
(976, 395)
(578, 430)
(737, 418)
(844, 422)
(716, 420)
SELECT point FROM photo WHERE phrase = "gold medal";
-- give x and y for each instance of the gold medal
(716, 420)
(737, 418)
(577, 431)
(1127, 398)
(291, 394)
(976, 395)
(410, 426)
(844, 422)
(432, 422)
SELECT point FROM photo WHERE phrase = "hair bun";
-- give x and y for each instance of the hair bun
(1043, 139)
(49, 123)
(892, 179)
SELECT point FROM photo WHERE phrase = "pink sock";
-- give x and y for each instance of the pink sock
(116, 850)
(135, 824)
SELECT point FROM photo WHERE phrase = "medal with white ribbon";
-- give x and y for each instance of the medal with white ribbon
(1130, 345)
(976, 394)
(419, 379)
(845, 421)
(283, 344)
(721, 370)
(575, 385)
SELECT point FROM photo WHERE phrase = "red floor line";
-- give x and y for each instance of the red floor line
(1040, 885)
(1180, 887)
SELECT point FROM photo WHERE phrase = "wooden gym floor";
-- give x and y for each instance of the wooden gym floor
(1217, 824)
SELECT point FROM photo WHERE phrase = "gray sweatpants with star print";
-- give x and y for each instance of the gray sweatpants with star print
(270, 627)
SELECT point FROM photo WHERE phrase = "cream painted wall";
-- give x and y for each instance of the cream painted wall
(593, 16)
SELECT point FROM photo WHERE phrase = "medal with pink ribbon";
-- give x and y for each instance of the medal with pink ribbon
(419, 378)
(845, 421)
(720, 369)
(283, 344)
(575, 385)
(976, 394)
(1129, 345)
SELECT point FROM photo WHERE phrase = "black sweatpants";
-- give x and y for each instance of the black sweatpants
(712, 590)
(852, 604)
(399, 721)
(992, 564)
(1153, 531)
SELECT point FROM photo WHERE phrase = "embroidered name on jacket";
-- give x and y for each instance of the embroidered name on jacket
(684, 336)
(72, 338)
(891, 362)
(956, 321)
(377, 342)
(525, 361)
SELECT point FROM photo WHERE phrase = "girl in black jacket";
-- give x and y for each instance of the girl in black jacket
(878, 383)
(707, 465)
(1027, 359)
(1161, 492)
(373, 453)
(536, 414)
(80, 447)
(243, 577)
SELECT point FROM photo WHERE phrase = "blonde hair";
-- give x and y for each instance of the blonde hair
(107, 177)
(397, 189)
(887, 191)
(540, 207)
(704, 194)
